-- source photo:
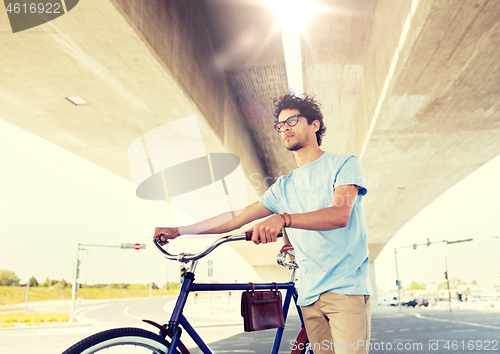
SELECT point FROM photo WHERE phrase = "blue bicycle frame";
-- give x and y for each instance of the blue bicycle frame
(177, 319)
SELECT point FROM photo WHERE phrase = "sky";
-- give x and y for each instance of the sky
(51, 200)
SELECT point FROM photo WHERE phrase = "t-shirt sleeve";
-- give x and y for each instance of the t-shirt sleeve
(351, 173)
(271, 199)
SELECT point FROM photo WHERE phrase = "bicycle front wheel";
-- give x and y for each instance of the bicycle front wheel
(122, 340)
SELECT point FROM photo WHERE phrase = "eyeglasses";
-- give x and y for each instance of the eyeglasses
(291, 121)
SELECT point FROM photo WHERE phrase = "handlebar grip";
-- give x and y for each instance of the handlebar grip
(249, 234)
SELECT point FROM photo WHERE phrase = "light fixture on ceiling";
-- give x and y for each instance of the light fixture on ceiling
(76, 100)
(291, 16)
(293, 12)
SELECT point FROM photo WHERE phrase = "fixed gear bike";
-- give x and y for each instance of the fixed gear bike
(137, 340)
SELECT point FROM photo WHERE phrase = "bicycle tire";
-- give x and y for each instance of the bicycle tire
(136, 337)
(301, 345)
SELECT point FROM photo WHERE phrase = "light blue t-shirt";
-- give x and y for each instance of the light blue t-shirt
(334, 260)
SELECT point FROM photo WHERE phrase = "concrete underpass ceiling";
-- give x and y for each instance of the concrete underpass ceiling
(409, 86)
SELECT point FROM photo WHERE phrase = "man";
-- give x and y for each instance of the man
(320, 204)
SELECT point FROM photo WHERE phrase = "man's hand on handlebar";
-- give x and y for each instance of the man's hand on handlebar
(163, 234)
(268, 230)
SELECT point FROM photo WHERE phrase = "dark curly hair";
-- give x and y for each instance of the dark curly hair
(308, 108)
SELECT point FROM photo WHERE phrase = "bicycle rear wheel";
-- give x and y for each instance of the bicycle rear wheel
(123, 340)
(301, 345)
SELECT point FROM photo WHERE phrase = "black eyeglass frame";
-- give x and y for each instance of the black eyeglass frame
(287, 121)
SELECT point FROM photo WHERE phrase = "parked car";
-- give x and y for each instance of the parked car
(392, 301)
(411, 303)
(423, 302)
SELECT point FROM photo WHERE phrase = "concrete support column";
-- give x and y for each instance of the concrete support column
(373, 280)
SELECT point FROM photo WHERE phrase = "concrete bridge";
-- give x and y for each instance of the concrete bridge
(410, 86)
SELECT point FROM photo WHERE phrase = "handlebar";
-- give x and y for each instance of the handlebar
(187, 257)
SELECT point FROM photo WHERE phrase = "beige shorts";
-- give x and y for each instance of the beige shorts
(338, 323)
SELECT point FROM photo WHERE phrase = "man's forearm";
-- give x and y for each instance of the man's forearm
(217, 225)
(321, 220)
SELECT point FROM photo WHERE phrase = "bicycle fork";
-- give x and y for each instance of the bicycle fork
(177, 317)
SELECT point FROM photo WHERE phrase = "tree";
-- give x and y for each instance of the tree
(33, 281)
(416, 286)
(59, 284)
(48, 283)
(8, 278)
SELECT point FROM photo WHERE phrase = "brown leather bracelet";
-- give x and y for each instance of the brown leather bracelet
(287, 224)
(284, 220)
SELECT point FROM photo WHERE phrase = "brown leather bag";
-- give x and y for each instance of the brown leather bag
(262, 309)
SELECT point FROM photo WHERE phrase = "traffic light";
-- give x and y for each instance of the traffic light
(76, 273)
(398, 283)
(428, 242)
(446, 275)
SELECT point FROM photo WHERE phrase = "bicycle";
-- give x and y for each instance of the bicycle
(168, 339)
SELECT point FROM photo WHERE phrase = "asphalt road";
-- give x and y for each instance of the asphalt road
(97, 317)
(436, 332)
(412, 331)
(90, 320)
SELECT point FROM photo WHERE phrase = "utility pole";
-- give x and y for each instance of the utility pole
(398, 282)
(136, 246)
(27, 291)
(447, 280)
(73, 288)
(414, 247)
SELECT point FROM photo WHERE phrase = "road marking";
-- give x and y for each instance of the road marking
(450, 321)
(404, 329)
(130, 315)
(419, 329)
(389, 331)
(464, 330)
